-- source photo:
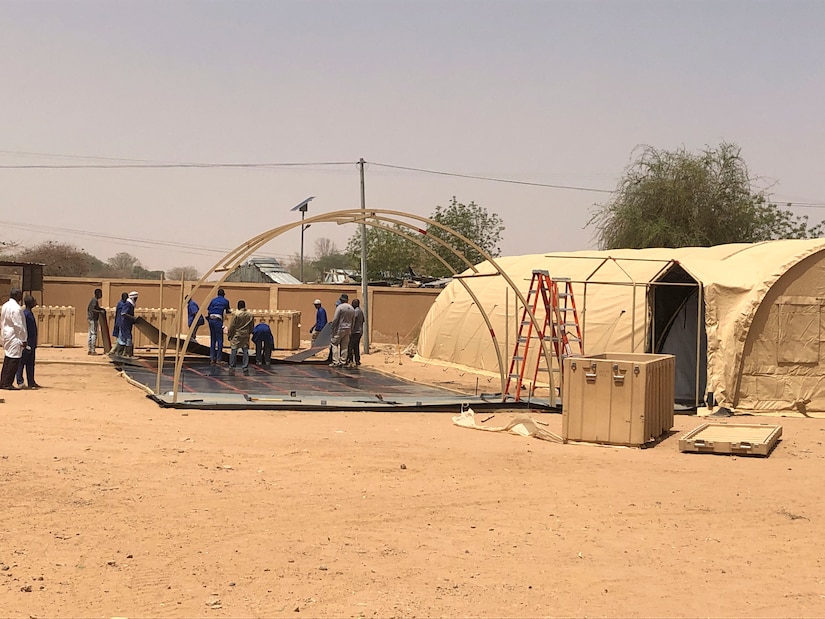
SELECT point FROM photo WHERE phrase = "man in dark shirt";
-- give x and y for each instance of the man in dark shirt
(354, 347)
(93, 312)
(216, 311)
(27, 360)
(264, 342)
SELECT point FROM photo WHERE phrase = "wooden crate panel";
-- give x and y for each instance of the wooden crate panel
(732, 438)
(55, 325)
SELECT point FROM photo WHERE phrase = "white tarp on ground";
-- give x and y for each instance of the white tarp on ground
(523, 425)
(763, 314)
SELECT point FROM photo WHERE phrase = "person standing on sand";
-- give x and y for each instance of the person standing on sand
(125, 344)
(354, 347)
(217, 309)
(341, 330)
(93, 313)
(239, 331)
(13, 329)
(27, 360)
(117, 320)
(320, 319)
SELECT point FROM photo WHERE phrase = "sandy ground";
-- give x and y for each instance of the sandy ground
(114, 507)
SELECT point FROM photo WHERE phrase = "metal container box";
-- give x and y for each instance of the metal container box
(618, 398)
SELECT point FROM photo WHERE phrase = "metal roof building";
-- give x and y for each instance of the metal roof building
(262, 271)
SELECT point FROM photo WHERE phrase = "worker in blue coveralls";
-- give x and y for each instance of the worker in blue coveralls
(193, 308)
(264, 342)
(320, 319)
(216, 311)
(117, 320)
(125, 344)
(320, 323)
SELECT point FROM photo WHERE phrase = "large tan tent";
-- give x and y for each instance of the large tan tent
(759, 307)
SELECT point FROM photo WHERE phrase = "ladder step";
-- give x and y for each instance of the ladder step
(518, 358)
(515, 375)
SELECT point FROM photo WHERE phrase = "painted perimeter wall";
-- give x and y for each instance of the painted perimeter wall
(394, 314)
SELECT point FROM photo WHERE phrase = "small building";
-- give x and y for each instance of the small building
(341, 276)
(262, 271)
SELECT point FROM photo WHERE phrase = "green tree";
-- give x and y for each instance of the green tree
(63, 259)
(389, 255)
(141, 273)
(327, 256)
(123, 264)
(680, 199)
(471, 221)
(187, 273)
(392, 256)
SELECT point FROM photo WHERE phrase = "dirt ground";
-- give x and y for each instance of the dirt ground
(112, 506)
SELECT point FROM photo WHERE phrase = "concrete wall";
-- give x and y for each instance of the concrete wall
(393, 313)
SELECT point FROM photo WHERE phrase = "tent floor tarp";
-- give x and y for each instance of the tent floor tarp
(301, 387)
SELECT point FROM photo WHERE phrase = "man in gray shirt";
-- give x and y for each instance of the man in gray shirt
(341, 330)
(354, 349)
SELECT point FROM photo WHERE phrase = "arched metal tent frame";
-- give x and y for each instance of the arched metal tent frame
(373, 218)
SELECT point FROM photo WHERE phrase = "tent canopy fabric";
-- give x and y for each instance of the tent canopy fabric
(775, 285)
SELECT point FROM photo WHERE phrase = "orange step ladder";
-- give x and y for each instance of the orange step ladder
(567, 333)
(551, 301)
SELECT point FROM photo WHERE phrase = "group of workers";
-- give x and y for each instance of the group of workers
(240, 331)
(18, 329)
(347, 330)
(19, 332)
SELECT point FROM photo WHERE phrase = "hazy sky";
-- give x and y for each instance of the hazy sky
(539, 91)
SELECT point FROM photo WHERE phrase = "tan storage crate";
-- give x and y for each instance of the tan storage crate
(55, 325)
(618, 398)
(285, 326)
(152, 316)
(751, 439)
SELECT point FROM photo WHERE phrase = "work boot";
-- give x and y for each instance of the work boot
(130, 351)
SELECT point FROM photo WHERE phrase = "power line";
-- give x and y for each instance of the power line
(127, 241)
(491, 179)
(134, 166)
(130, 163)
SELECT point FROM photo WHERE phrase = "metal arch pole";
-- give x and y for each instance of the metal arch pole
(240, 253)
(501, 272)
(486, 257)
(473, 296)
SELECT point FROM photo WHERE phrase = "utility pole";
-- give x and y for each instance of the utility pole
(365, 340)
